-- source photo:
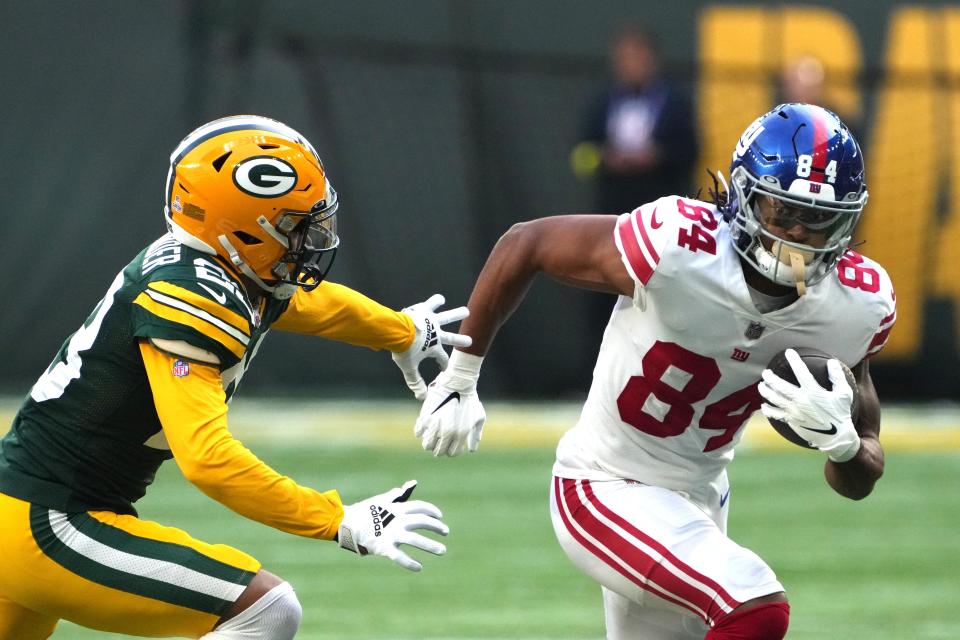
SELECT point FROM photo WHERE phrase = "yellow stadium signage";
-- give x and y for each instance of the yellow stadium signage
(912, 222)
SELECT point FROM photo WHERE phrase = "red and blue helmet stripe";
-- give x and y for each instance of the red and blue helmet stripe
(803, 141)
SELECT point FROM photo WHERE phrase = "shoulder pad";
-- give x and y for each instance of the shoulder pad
(646, 233)
(194, 300)
(869, 280)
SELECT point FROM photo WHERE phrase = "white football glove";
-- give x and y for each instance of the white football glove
(452, 415)
(429, 340)
(378, 525)
(820, 417)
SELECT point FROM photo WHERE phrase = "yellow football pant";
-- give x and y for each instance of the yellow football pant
(111, 572)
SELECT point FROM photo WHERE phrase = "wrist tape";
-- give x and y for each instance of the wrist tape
(462, 371)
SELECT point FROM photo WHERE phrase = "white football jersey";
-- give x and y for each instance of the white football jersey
(676, 377)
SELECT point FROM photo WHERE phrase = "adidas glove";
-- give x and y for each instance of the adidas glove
(452, 415)
(819, 416)
(429, 340)
(379, 525)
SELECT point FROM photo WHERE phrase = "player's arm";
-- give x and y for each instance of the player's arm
(822, 416)
(855, 478)
(339, 313)
(413, 334)
(578, 250)
(193, 412)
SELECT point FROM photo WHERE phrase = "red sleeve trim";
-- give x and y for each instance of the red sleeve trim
(888, 319)
(642, 262)
(879, 340)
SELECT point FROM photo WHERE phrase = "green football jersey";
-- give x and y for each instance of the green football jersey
(87, 436)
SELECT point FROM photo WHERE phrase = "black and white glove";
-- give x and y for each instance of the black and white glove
(429, 340)
(452, 415)
(821, 417)
(379, 525)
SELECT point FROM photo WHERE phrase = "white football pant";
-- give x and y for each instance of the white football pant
(666, 565)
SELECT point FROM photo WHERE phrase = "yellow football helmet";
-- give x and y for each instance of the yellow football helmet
(254, 191)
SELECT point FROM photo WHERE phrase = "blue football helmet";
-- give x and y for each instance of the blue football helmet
(807, 165)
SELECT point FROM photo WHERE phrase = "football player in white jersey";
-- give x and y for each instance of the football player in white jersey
(709, 293)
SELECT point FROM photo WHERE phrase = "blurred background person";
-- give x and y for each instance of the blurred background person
(639, 141)
(804, 79)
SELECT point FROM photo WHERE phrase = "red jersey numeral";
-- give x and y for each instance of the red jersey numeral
(692, 378)
(729, 414)
(853, 274)
(698, 214)
(696, 239)
(701, 374)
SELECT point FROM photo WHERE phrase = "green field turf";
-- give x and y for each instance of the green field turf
(887, 568)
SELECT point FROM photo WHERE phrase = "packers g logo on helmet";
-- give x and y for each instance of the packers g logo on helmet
(254, 192)
(265, 177)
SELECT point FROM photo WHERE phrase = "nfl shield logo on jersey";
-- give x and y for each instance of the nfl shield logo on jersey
(181, 368)
(754, 331)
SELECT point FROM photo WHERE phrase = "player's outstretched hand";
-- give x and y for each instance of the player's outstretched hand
(452, 415)
(819, 416)
(429, 340)
(379, 525)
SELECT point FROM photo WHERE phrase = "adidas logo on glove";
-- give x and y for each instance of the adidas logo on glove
(431, 338)
(381, 518)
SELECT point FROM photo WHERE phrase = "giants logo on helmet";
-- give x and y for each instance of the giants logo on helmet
(264, 177)
(748, 137)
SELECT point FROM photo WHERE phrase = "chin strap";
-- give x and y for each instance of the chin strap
(799, 272)
(775, 262)
(280, 291)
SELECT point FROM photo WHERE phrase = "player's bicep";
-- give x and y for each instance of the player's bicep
(580, 250)
(868, 420)
(187, 395)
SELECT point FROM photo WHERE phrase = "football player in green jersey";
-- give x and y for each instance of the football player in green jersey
(252, 233)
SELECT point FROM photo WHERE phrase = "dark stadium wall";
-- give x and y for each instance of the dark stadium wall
(442, 123)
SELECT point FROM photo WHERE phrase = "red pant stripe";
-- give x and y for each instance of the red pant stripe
(714, 589)
(643, 570)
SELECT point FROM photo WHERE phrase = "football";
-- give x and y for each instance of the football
(816, 362)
